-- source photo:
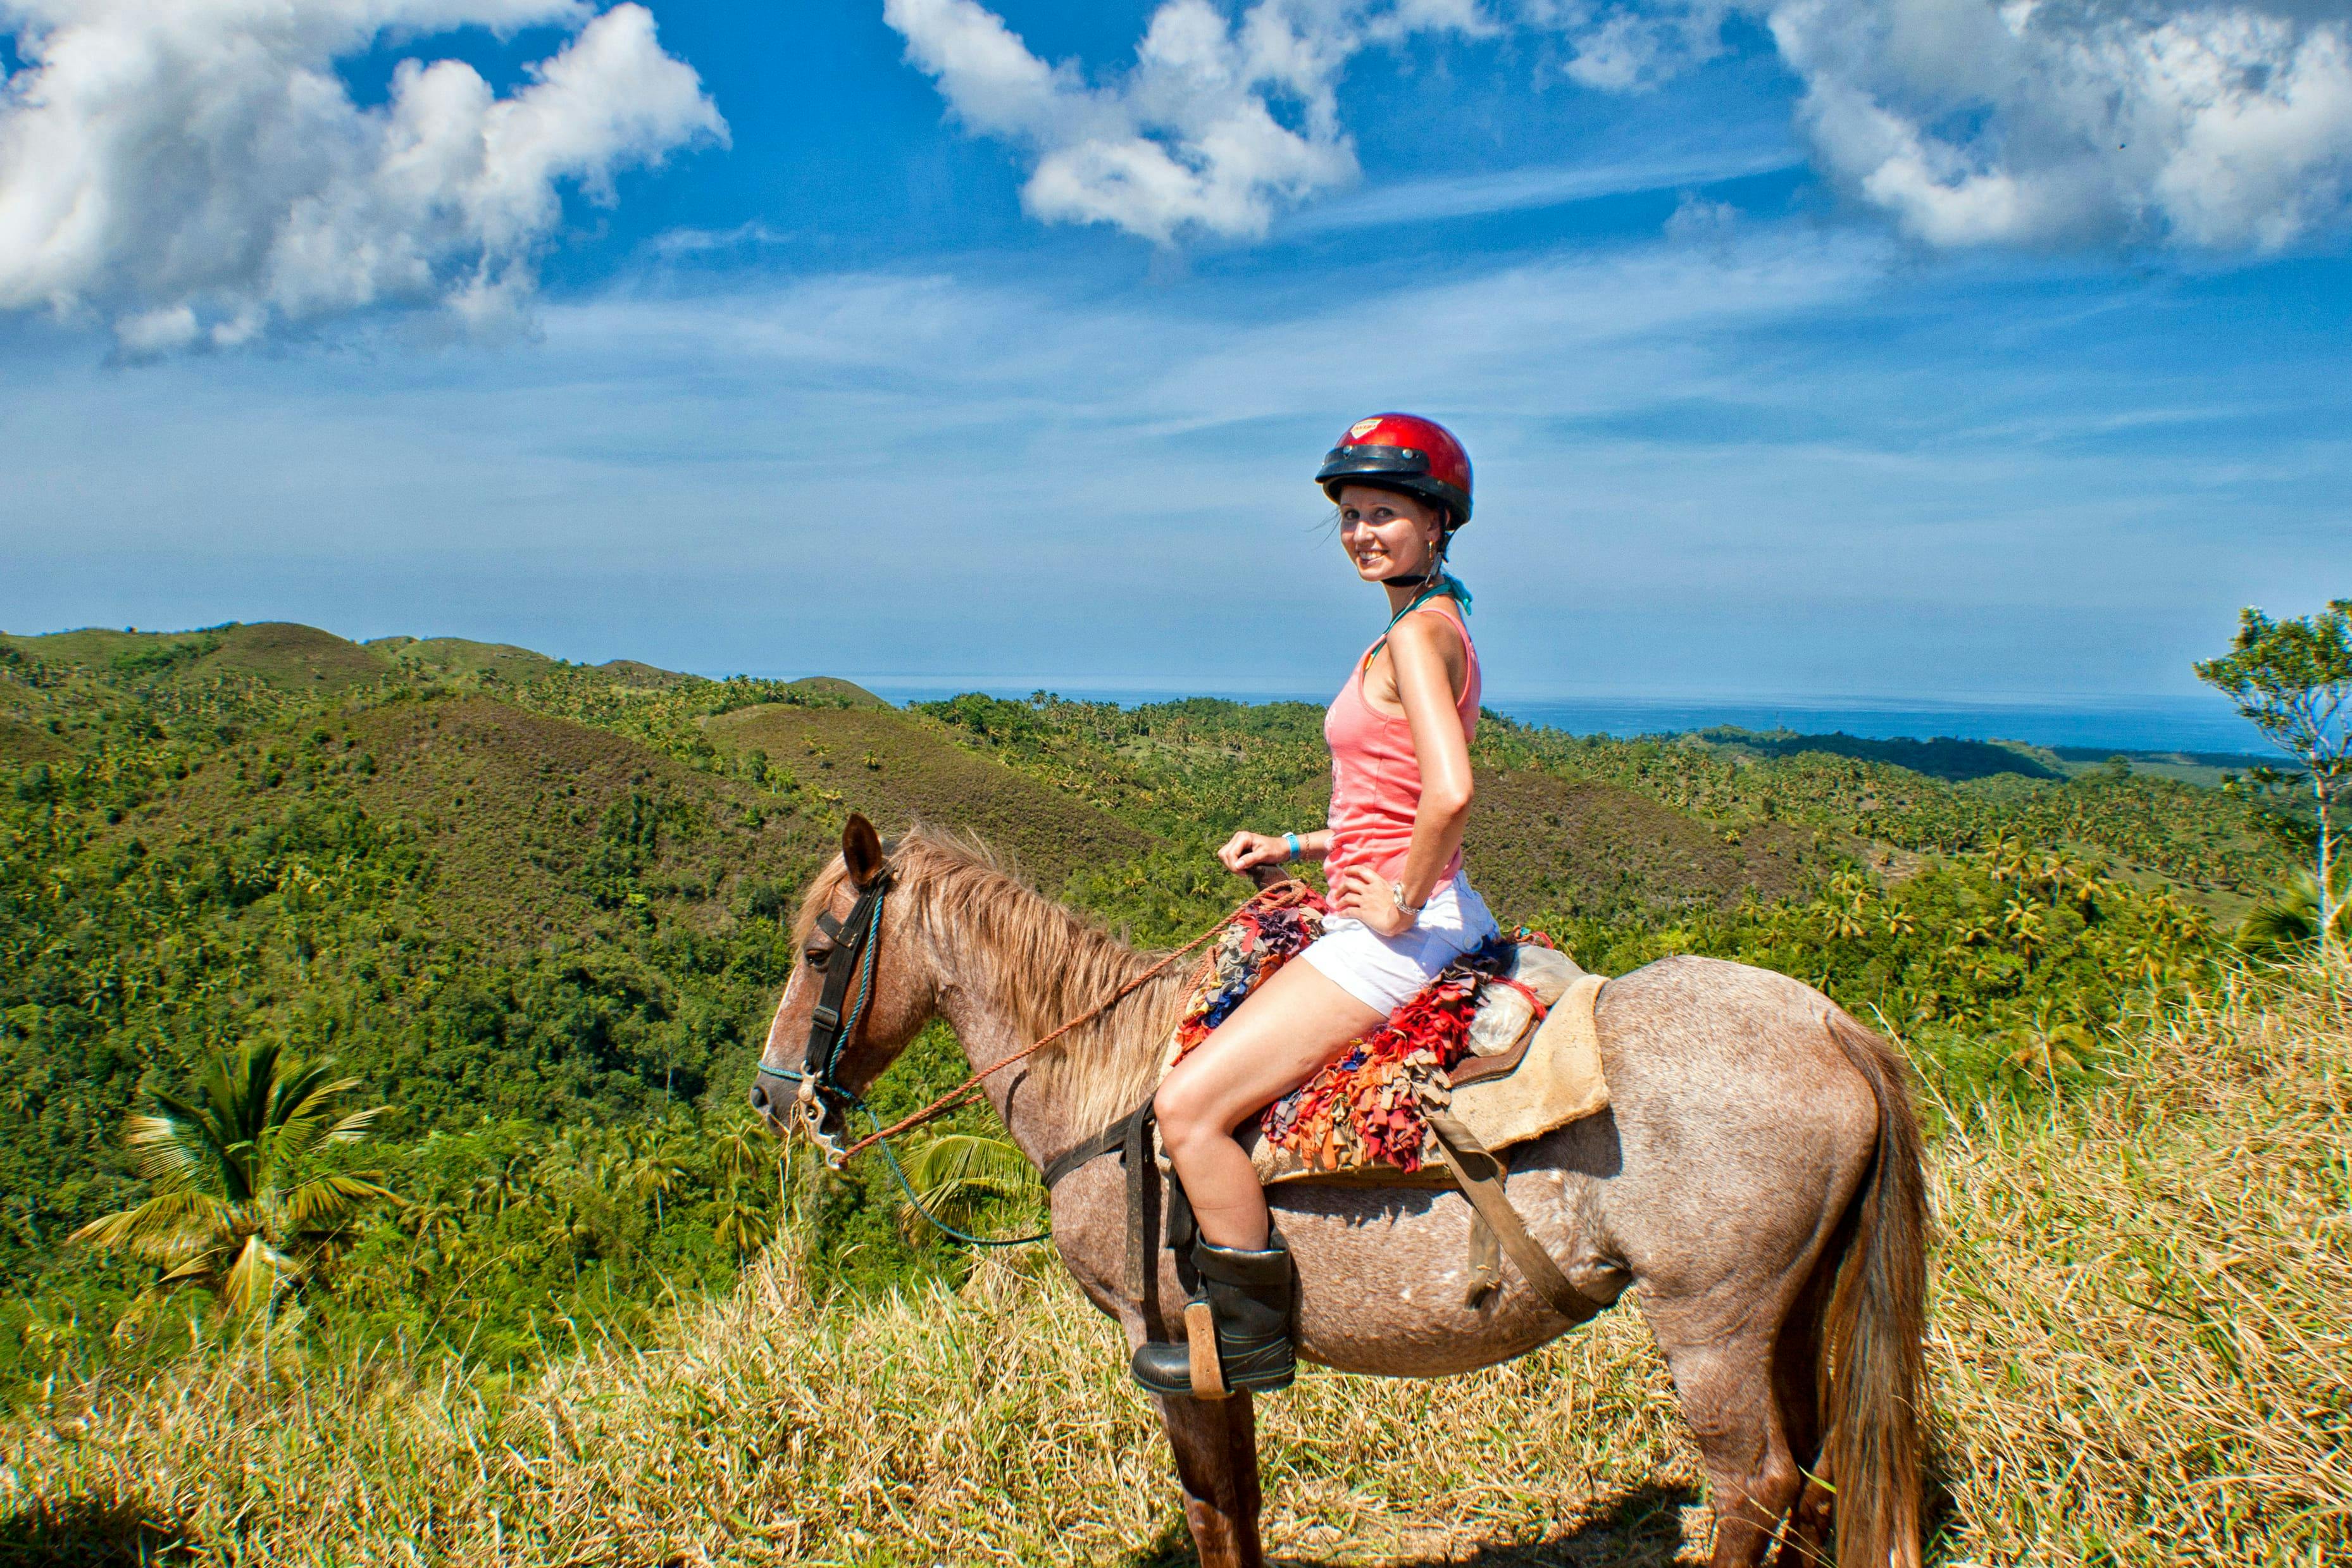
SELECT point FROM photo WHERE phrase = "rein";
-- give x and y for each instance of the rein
(1283, 895)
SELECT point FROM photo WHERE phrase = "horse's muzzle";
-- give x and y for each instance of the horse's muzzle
(805, 1112)
(775, 1109)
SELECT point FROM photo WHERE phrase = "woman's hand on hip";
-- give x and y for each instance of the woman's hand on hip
(1244, 850)
(1360, 895)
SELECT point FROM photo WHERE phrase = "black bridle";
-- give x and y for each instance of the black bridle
(833, 1022)
(831, 1025)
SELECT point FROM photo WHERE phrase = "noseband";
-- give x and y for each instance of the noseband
(832, 1027)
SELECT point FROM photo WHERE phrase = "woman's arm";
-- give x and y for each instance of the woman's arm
(1428, 665)
(1245, 849)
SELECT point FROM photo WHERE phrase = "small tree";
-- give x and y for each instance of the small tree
(2293, 681)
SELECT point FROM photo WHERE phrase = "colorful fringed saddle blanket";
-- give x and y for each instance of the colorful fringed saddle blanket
(1361, 1115)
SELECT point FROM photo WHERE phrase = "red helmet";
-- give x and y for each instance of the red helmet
(1401, 452)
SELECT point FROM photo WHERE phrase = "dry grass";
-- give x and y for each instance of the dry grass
(2143, 1336)
(2143, 1340)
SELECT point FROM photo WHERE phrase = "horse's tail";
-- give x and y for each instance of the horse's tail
(1877, 1318)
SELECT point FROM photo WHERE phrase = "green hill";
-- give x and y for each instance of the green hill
(497, 662)
(848, 691)
(281, 654)
(1942, 757)
(630, 674)
(540, 908)
(510, 806)
(1550, 844)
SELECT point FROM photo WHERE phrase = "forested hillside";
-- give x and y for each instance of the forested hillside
(539, 910)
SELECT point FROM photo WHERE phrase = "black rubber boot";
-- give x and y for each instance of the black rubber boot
(1250, 1296)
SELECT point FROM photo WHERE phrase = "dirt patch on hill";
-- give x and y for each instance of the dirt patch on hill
(1540, 843)
(898, 768)
(22, 742)
(516, 809)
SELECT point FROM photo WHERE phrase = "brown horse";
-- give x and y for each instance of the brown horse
(1757, 1176)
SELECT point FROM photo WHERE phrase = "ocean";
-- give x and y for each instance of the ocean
(2154, 723)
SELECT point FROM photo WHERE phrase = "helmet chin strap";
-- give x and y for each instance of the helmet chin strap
(1436, 570)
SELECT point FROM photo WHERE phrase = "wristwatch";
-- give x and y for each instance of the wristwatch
(1396, 891)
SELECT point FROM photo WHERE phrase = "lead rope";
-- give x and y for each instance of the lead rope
(921, 1207)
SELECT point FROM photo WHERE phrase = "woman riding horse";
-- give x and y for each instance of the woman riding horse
(1402, 908)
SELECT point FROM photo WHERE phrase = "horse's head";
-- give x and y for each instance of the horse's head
(862, 989)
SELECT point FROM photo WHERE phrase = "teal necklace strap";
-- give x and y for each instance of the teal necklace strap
(1442, 588)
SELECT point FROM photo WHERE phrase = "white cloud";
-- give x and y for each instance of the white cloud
(197, 173)
(1190, 139)
(1621, 48)
(1698, 221)
(2211, 124)
(2040, 122)
(1520, 190)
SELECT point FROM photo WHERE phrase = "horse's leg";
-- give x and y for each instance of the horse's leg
(1797, 1382)
(1215, 1441)
(1726, 1389)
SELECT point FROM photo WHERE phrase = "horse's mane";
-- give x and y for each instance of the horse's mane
(1044, 963)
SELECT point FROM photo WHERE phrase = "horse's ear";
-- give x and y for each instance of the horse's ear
(861, 848)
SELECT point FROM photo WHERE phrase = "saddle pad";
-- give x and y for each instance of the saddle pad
(1529, 1079)
(1557, 1080)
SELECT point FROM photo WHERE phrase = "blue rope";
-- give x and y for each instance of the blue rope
(908, 1188)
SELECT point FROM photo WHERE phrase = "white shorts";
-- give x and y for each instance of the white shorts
(1387, 972)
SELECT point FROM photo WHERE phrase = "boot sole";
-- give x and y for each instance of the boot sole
(1260, 1384)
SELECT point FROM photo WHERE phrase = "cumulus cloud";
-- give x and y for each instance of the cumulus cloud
(2213, 124)
(2040, 122)
(197, 173)
(1620, 48)
(1218, 124)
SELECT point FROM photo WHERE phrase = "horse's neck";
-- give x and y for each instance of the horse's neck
(1042, 1099)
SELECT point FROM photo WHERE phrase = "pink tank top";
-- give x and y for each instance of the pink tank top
(1376, 775)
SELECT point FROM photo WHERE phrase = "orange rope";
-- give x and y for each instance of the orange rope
(1283, 895)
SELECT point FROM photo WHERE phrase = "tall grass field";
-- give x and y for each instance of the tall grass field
(2141, 1350)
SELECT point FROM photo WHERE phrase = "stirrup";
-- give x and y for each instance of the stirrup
(1237, 1334)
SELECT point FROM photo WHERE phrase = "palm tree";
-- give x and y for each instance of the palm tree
(957, 1174)
(232, 1210)
(658, 1173)
(509, 1183)
(743, 1223)
(743, 1149)
(2051, 1044)
(2288, 921)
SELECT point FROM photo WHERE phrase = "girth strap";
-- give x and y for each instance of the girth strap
(1109, 1141)
(1130, 1139)
(1475, 1169)
(1480, 1175)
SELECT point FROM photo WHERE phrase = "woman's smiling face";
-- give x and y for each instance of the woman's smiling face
(1386, 535)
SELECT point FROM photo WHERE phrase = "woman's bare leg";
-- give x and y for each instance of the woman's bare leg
(1273, 1042)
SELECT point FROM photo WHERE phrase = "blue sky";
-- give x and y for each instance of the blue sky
(876, 371)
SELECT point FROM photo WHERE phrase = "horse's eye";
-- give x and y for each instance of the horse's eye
(818, 956)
